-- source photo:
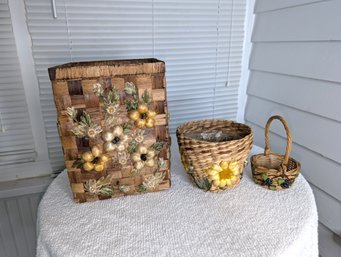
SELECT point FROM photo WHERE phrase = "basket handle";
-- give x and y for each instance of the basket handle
(289, 139)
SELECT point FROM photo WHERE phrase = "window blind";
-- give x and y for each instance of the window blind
(201, 42)
(16, 139)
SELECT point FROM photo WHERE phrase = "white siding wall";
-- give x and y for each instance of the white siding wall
(19, 202)
(18, 231)
(295, 71)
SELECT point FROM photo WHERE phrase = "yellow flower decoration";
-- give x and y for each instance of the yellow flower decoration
(94, 160)
(224, 174)
(143, 117)
(143, 157)
(115, 140)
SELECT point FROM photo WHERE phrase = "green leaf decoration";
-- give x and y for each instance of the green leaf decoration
(107, 191)
(272, 187)
(281, 181)
(127, 126)
(78, 164)
(141, 188)
(264, 176)
(145, 97)
(72, 113)
(124, 188)
(157, 146)
(112, 97)
(85, 119)
(131, 104)
(160, 163)
(132, 146)
(130, 88)
(100, 187)
(202, 183)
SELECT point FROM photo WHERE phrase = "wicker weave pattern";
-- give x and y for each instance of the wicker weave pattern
(200, 154)
(275, 171)
(73, 86)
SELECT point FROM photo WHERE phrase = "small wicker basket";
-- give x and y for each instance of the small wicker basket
(214, 165)
(275, 171)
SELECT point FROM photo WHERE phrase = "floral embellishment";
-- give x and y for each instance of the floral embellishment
(99, 187)
(150, 183)
(98, 89)
(224, 174)
(274, 182)
(116, 139)
(143, 157)
(120, 142)
(143, 117)
(94, 160)
(122, 158)
(110, 100)
(84, 127)
(112, 109)
(138, 110)
(285, 183)
(139, 136)
(124, 188)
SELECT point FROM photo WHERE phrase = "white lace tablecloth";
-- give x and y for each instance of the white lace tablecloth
(183, 221)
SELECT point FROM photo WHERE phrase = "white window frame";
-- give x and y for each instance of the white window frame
(41, 166)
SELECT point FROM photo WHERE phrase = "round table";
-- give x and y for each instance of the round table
(183, 221)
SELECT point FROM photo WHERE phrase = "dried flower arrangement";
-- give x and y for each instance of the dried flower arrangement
(122, 143)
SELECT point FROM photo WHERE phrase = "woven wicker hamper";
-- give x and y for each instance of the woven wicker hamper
(113, 126)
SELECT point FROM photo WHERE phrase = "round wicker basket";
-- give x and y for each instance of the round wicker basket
(275, 171)
(214, 165)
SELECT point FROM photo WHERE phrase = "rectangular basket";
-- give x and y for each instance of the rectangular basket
(104, 107)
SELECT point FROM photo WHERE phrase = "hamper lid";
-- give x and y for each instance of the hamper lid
(92, 69)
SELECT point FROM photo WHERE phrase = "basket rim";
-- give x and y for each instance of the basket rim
(298, 164)
(102, 64)
(111, 62)
(250, 133)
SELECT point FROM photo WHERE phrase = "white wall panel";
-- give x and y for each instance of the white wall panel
(312, 26)
(272, 5)
(328, 246)
(329, 209)
(318, 60)
(18, 225)
(323, 96)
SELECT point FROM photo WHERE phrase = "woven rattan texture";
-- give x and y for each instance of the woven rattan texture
(275, 171)
(73, 86)
(200, 154)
